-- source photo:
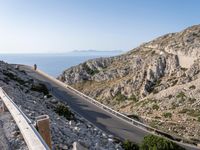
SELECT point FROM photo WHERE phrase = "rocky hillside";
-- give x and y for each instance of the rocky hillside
(34, 99)
(159, 82)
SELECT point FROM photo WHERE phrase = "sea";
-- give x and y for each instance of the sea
(55, 64)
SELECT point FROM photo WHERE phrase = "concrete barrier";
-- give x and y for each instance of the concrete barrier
(32, 138)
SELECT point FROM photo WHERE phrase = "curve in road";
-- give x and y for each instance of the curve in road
(99, 117)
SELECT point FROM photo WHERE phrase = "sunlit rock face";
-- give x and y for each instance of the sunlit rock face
(140, 68)
(158, 76)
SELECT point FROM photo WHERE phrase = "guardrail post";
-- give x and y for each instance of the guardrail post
(43, 127)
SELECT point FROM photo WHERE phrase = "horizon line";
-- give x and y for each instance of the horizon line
(63, 52)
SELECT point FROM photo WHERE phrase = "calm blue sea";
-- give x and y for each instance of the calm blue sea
(54, 64)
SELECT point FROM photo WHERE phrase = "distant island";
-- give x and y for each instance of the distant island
(97, 51)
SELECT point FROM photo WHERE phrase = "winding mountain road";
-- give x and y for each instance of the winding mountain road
(99, 117)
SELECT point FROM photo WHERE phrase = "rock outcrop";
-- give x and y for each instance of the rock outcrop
(130, 82)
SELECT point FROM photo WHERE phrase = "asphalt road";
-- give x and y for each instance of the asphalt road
(97, 116)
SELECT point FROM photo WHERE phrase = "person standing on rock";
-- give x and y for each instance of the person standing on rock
(35, 67)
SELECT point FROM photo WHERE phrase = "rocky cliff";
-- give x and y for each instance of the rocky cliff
(159, 81)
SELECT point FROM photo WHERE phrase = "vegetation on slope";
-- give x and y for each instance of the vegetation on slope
(152, 142)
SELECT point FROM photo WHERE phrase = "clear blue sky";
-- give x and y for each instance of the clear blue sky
(65, 25)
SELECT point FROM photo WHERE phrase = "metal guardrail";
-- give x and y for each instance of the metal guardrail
(31, 136)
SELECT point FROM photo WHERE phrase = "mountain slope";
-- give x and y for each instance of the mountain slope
(158, 81)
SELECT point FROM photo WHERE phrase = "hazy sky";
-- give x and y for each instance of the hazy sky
(65, 25)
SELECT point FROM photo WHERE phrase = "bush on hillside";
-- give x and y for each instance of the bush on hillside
(128, 145)
(89, 70)
(152, 142)
(14, 77)
(63, 110)
(40, 88)
(155, 107)
(120, 97)
(167, 114)
(133, 98)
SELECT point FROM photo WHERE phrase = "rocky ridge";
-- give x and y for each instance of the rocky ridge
(157, 81)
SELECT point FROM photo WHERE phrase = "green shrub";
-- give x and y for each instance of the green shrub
(10, 75)
(89, 70)
(192, 87)
(63, 110)
(191, 112)
(14, 77)
(198, 119)
(147, 101)
(158, 82)
(128, 145)
(133, 98)
(170, 96)
(181, 95)
(152, 142)
(40, 88)
(184, 110)
(139, 103)
(167, 114)
(22, 71)
(184, 69)
(155, 107)
(120, 97)
(154, 123)
(174, 105)
(192, 100)
(134, 116)
(194, 113)
(157, 117)
(174, 82)
(155, 91)
(153, 52)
